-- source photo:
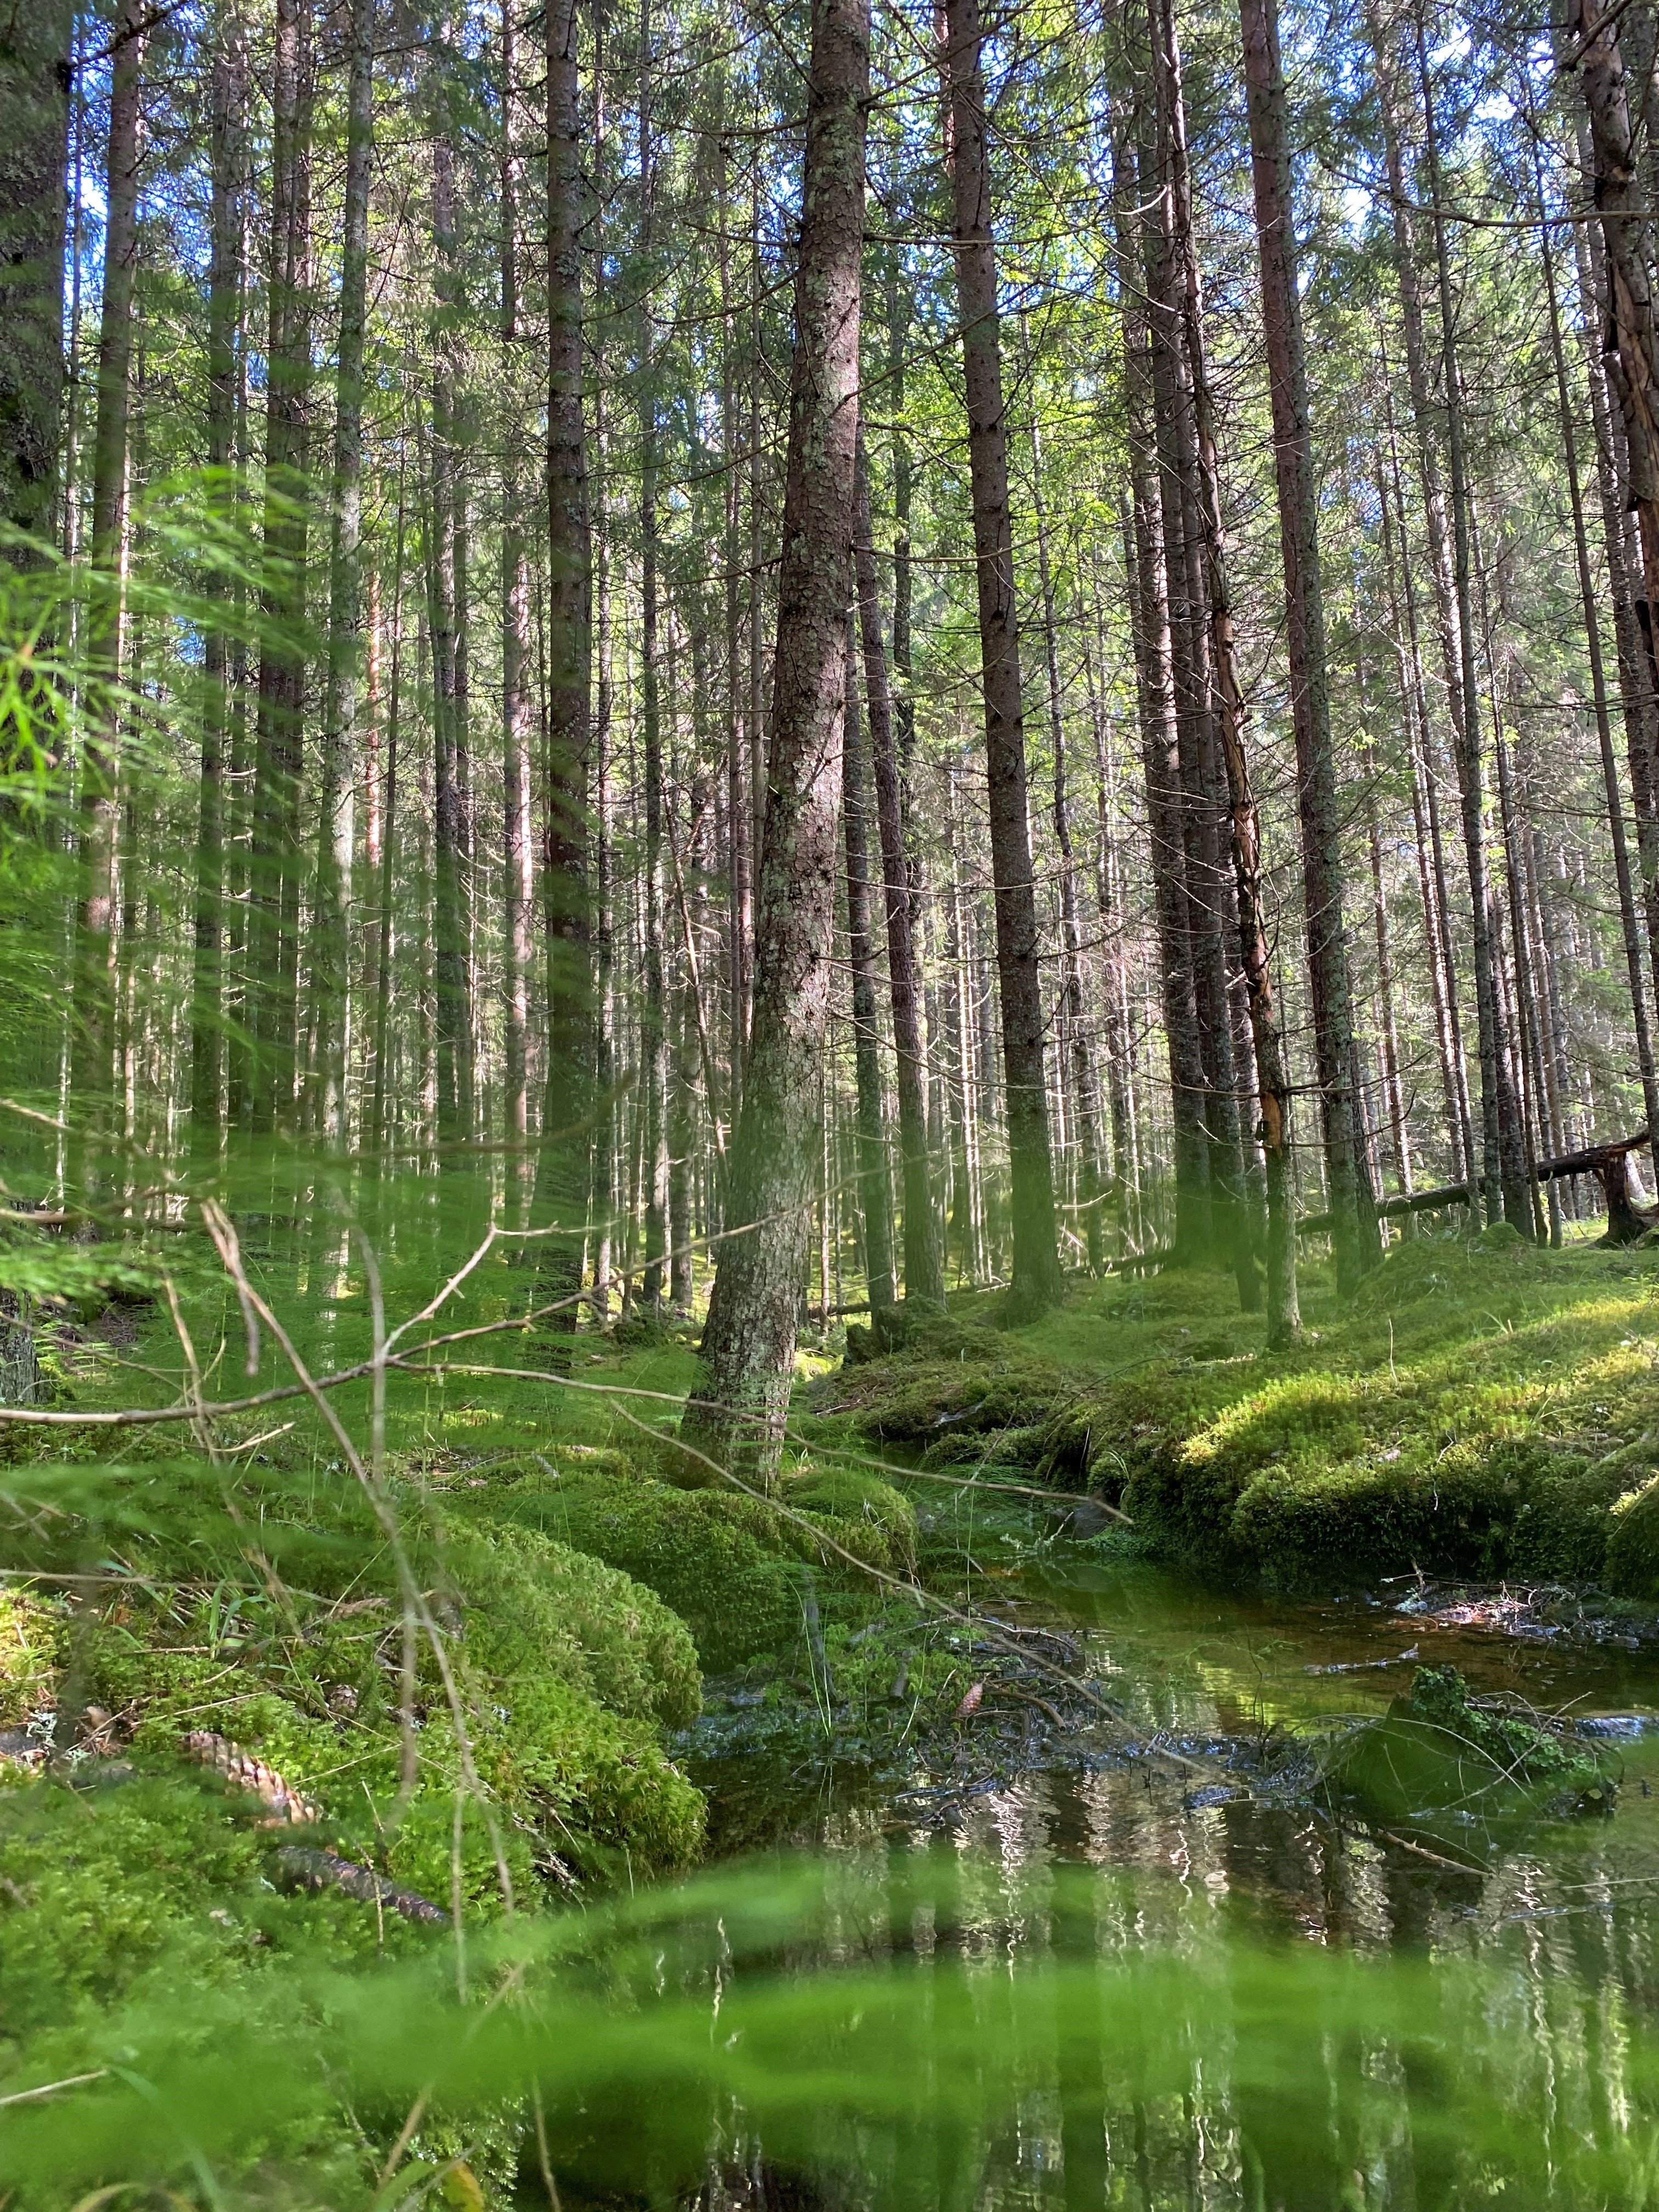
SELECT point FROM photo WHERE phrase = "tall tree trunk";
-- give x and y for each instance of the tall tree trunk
(867, 1060)
(517, 875)
(447, 562)
(1036, 1277)
(92, 1055)
(35, 78)
(1354, 1229)
(749, 1342)
(1505, 1174)
(228, 96)
(924, 1266)
(1078, 1040)
(330, 919)
(1134, 187)
(1273, 1080)
(562, 1173)
(274, 854)
(654, 1013)
(738, 815)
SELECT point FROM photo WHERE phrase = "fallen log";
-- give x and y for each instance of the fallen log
(1609, 1164)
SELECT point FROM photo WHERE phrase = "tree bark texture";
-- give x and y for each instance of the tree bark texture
(749, 1342)
(35, 77)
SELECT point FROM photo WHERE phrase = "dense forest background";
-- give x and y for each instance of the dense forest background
(1087, 696)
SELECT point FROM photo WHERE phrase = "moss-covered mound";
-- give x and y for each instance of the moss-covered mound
(1484, 1409)
(727, 1563)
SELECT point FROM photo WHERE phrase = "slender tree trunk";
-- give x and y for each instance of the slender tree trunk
(273, 857)
(1079, 1042)
(924, 1270)
(92, 1056)
(561, 1175)
(517, 882)
(654, 1014)
(1354, 1229)
(1273, 1081)
(1135, 185)
(1505, 1174)
(871, 1140)
(1036, 1278)
(740, 963)
(330, 921)
(228, 94)
(749, 1342)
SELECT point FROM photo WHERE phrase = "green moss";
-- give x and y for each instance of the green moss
(868, 1516)
(727, 1564)
(534, 1606)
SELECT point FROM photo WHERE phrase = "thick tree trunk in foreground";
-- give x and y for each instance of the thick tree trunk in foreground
(748, 1343)
(34, 119)
(562, 1179)
(1036, 1277)
(1589, 600)
(1354, 1230)
(924, 1266)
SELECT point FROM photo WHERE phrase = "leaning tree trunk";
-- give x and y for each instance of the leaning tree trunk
(562, 1179)
(331, 918)
(1354, 1234)
(924, 1265)
(1036, 1277)
(35, 75)
(749, 1344)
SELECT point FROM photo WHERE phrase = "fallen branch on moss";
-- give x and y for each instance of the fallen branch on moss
(303, 1866)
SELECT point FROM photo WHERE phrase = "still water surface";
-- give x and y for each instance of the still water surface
(1098, 1991)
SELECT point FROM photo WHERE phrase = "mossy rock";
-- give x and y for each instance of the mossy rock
(1438, 1752)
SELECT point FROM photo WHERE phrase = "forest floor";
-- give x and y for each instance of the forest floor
(209, 1687)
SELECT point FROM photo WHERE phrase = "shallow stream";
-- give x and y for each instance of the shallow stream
(1187, 2001)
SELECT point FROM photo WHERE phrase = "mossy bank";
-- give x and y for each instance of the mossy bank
(1485, 1409)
